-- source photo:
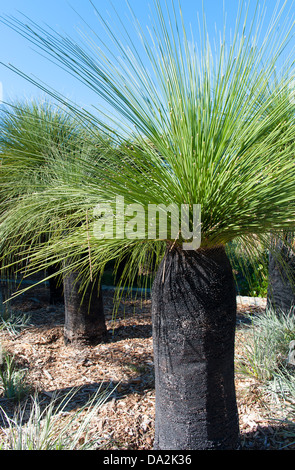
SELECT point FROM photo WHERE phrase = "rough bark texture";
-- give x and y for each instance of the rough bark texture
(84, 314)
(194, 317)
(281, 275)
(55, 286)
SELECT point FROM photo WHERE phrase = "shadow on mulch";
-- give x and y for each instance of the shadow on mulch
(277, 437)
(69, 398)
(129, 331)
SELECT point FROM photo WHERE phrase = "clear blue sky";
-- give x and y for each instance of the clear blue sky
(59, 15)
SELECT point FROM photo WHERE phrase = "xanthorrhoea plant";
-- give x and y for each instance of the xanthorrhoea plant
(31, 135)
(38, 140)
(281, 265)
(207, 130)
(281, 273)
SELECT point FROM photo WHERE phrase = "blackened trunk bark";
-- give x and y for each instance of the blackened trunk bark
(194, 318)
(55, 286)
(84, 312)
(281, 274)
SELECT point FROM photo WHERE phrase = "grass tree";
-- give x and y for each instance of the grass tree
(30, 131)
(37, 140)
(207, 132)
(281, 273)
(281, 270)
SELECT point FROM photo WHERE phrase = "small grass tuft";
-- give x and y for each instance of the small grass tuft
(12, 380)
(53, 427)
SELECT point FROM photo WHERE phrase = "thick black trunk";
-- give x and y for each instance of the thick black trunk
(194, 317)
(84, 313)
(55, 286)
(281, 274)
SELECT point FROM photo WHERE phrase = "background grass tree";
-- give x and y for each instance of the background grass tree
(281, 269)
(208, 131)
(37, 140)
(281, 273)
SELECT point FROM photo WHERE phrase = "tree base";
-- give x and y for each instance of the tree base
(281, 278)
(84, 313)
(194, 318)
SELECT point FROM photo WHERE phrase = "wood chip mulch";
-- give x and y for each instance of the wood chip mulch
(124, 364)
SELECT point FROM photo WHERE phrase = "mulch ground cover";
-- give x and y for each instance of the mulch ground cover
(123, 365)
